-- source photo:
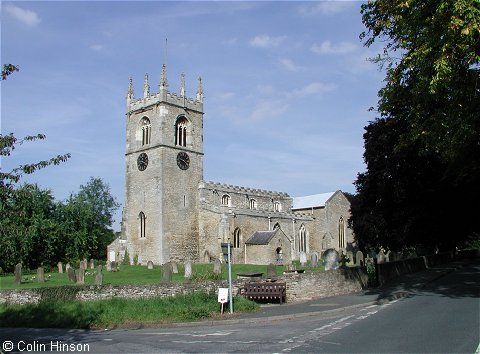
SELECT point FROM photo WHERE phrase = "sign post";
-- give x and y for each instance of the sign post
(230, 278)
(226, 250)
(222, 296)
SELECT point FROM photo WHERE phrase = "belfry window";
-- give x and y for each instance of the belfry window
(277, 206)
(236, 238)
(142, 225)
(341, 233)
(253, 204)
(302, 245)
(181, 132)
(226, 200)
(146, 131)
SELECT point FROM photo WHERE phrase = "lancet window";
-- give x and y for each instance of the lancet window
(142, 224)
(181, 132)
(146, 131)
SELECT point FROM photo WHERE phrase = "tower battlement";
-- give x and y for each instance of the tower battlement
(168, 97)
(164, 95)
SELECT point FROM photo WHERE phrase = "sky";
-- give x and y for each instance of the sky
(287, 87)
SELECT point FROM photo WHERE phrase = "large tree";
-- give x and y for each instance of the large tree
(88, 218)
(423, 152)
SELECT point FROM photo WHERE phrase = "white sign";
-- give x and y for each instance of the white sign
(223, 295)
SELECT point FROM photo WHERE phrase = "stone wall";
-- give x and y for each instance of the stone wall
(307, 286)
(391, 270)
(300, 287)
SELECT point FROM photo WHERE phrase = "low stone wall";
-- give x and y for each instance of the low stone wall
(300, 287)
(20, 296)
(391, 270)
(144, 291)
(314, 285)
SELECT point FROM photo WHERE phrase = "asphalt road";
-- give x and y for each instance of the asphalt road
(442, 317)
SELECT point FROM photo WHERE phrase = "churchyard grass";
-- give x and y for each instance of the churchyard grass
(131, 313)
(137, 275)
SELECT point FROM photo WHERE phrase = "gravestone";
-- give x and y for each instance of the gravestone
(99, 276)
(330, 259)
(109, 266)
(166, 273)
(83, 265)
(149, 265)
(80, 273)
(92, 264)
(217, 266)
(18, 274)
(303, 259)
(114, 266)
(351, 261)
(174, 268)
(67, 267)
(381, 257)
(389, 256)
(188, 269)
(71, 275)
(271, 270)
(60, 267)
(40, 275)
(359, 259)
(314, 259)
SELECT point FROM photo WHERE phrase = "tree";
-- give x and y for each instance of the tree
(438, 43)
(30, 231)
(423, 152)
(88, 218)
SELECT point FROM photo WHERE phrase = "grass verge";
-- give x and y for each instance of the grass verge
(117, 312)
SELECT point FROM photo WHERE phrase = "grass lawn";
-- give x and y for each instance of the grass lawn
(117, 312)
(136, 275)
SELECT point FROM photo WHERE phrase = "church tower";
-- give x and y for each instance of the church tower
(164, 166)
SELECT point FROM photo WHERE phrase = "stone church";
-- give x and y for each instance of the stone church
(172, 213)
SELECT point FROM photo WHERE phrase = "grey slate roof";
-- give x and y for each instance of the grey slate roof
(261, 237)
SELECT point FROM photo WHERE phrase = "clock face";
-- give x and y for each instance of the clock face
(183, 161)
(142, 161)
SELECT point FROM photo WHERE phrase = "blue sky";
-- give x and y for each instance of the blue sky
(287, 87)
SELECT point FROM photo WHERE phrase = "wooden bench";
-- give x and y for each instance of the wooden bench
(265, 291)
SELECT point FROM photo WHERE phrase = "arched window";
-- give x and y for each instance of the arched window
(302, 245)
(236, 238)
(181, 131)
(146, 131)
(226, 200)
(277, 206)
(142, 225)
(341, 233)
(253, 204)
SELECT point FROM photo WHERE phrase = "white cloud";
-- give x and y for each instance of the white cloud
(290, 65)
(265, 89)
(326, 8)
(96, 47)
(225, 96)
(27, 17)
(313, 88)
(268, 109)
(328, 48)
(265, 41)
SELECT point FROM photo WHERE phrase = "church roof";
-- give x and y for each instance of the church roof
(311, 201)
(261, 237)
